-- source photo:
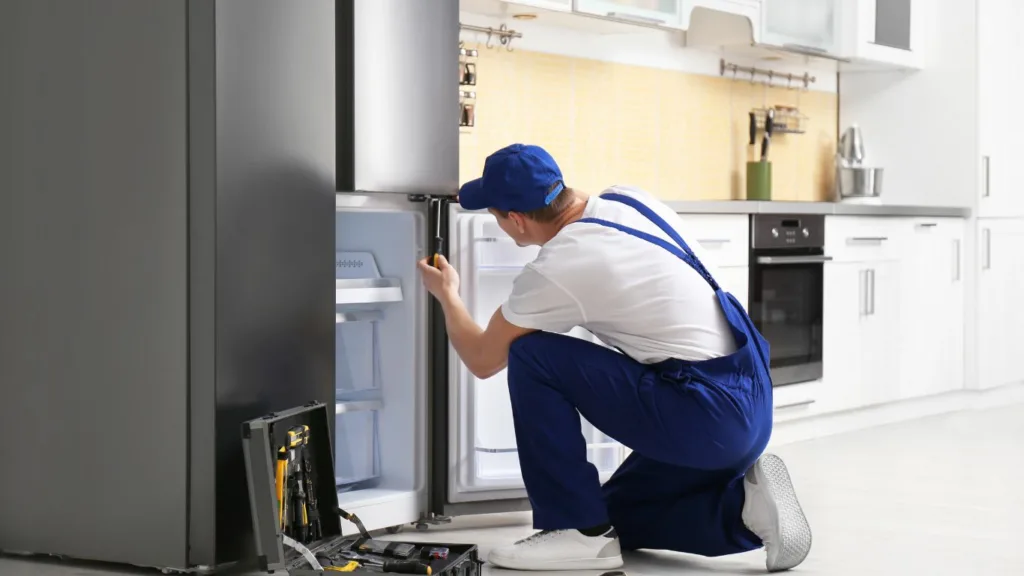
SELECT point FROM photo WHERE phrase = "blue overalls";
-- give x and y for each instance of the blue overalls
(694, 428)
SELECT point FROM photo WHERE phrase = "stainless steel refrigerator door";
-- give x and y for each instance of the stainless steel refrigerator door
(397, 96)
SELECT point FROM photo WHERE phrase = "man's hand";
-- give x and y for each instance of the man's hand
(484, 352)
(443, 281)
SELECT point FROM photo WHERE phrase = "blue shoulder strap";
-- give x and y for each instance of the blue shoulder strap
(682, 251)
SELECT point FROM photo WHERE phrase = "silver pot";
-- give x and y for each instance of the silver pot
(858, 182)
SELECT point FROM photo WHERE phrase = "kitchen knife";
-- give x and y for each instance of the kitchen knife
(753, 128)
(769, 124)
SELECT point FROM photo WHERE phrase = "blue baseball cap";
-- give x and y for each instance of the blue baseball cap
(517, 178)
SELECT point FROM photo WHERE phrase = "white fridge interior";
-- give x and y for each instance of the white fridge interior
(482, 450)
(380, 359)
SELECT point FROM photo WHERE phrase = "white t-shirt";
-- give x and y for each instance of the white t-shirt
(628, 292)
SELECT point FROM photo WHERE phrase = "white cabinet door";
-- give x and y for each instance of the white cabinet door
(932, 316)
(1000, 315)
(811, 26)
(843, 310)
(880, 325)
(861, 315)
(652, 12)
(1000, 77)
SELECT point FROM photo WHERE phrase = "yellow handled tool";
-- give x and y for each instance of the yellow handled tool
(282, 463)
(350, 567)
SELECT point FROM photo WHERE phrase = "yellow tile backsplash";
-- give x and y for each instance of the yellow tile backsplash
(680, 136)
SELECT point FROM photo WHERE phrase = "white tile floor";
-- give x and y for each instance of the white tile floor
(933, 497)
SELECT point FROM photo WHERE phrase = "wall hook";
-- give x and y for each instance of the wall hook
(490, 37)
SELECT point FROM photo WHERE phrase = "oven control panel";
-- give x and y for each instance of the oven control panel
(787, 231)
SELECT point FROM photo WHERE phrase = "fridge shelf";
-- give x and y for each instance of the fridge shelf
(367, 291)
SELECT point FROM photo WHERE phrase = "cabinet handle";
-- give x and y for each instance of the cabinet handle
(877, 239)
(862, 292)
(636, 18)
(986, 241)
(986, 163)
(927, 225)
(871, 292)
(713, 240)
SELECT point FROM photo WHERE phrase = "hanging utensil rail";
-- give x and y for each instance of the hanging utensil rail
(806, 79)
(504, 34)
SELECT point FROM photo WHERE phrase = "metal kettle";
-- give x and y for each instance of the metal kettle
(851, 147)
(854, 181)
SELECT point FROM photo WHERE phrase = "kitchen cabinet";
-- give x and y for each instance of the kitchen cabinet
(882, 32)
(553, 5)
(736, 281)
(1000, 346)
(807, 26)
(861, 317)
(665, 13)
(1000, 42)
(932, 311)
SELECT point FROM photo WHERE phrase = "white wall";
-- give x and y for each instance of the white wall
(922, 127)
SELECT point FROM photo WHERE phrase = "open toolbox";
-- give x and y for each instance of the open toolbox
(295, 514)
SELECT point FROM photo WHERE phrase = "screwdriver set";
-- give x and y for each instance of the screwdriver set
(295, 513)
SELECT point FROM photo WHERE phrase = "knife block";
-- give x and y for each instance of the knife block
(759, 181)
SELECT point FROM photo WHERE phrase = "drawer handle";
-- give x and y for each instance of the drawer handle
(873, 239)
(770, 260)
(713, 240)
(927, 225)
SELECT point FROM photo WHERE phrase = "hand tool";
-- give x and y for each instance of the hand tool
(438, 239)
(394, 566)
(282, 465)
(298, 440)
(355, 520)
(316, 530)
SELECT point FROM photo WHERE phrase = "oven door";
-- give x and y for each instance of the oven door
(786, 306)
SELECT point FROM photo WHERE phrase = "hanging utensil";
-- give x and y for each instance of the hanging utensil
(769, 121)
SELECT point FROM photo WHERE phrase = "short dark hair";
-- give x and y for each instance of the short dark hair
(550, 212)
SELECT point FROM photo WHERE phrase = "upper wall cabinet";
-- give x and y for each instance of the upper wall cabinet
(805, 26)
(862, 34)
(883, 33)
(665, 13)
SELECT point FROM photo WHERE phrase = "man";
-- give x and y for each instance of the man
(688, 389)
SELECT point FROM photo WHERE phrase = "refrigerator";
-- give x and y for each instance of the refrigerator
(418, 438)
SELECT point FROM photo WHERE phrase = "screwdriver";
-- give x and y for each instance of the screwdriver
(438, 239)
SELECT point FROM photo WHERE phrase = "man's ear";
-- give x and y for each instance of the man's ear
(519, 220)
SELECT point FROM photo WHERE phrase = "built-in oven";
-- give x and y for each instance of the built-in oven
(787, 271)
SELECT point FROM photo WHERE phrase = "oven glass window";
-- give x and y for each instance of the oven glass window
(787, 309)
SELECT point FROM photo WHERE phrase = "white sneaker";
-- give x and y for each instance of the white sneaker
(560, 550)
(772, 511)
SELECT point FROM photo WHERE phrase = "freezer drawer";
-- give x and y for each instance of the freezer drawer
(357, 447)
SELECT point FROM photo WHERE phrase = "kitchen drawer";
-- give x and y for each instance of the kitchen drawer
(724, 239)
(865, 239)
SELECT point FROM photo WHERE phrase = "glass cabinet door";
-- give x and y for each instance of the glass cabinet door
(808, 25)
(654, 12)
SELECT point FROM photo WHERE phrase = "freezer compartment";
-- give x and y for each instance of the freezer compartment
(357, 449)
(380, 358)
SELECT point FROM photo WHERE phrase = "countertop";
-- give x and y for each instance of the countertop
(826, 208)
